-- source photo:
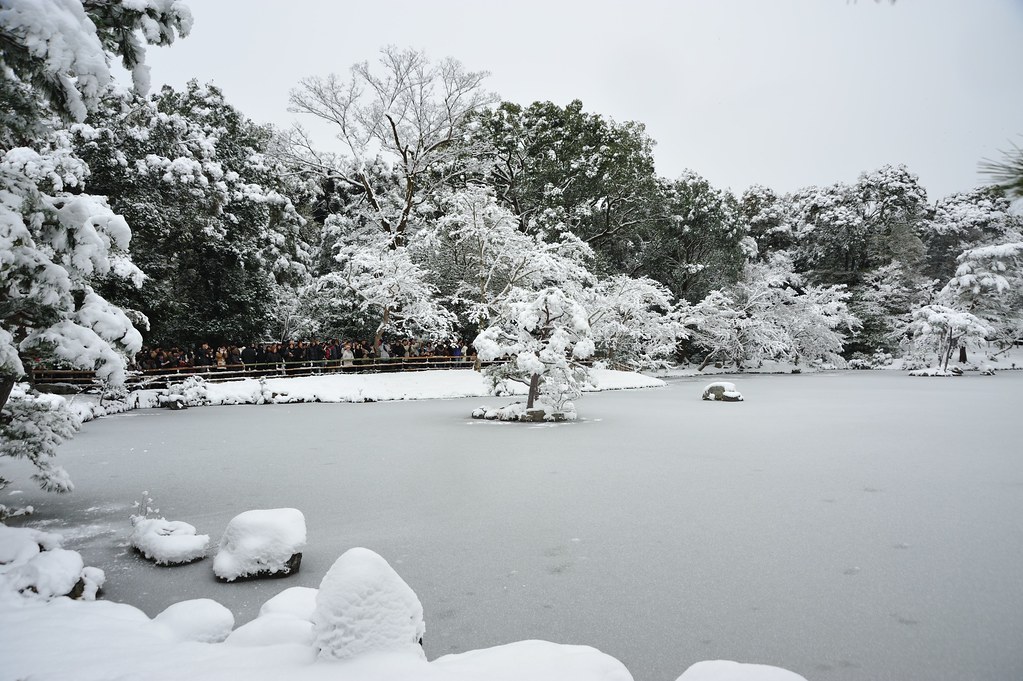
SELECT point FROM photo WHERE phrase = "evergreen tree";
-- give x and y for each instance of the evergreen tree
(56, 241)
(215, 230)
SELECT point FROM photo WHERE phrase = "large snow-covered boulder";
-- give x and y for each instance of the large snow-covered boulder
(261, 543)
(725, 670)
(722, 391)
(200, 619)
(33, 564)
(167, 542)
(364, 606)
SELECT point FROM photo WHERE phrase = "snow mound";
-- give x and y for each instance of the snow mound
(534, 660)
(724, 670)
(168, 542)
(364, 606)
(722, 391)
(285, 618)
(270, 630)
(261, 543)
(298, 601)
(33, 564)
(202, 620)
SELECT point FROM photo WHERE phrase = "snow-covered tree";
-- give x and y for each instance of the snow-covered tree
(56, 240)
(989, 284)
(963, 221)
(696, 246)
(844, 230)
(563, 168)
(633, 321)
(940, 330)
(770, 313)
(884, 303)
(479, 254)
(214, 227)
(407, 112)
(393, 288)
(539, 338)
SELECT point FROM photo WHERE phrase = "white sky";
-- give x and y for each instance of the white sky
(784, 93)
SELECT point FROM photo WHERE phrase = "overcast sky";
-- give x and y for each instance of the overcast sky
(785, 93)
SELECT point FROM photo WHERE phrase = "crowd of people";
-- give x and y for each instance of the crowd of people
(307, 353)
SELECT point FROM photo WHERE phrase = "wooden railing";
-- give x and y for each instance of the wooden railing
(69, 381)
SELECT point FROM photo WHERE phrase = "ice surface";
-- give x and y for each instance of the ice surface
(658, 530)
(259, 541)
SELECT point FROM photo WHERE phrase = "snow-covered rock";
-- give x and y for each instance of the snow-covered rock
(517, 412)
(937, 371)
(201, 619)
(261, 543)
(33, 564)
(364, 606)
(534, 660)
(725, 670)
(722, 391)
(168, 542)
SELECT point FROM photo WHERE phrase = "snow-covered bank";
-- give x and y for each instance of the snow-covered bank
(410, 385)
(418, 385)
(364, 623)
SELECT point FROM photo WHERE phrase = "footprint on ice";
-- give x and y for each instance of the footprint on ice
(851, 571)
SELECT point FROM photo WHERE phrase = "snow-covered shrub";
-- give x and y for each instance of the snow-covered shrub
(33, 564)
(261, 543)
(364, 606)
(202, 620)
(876, 360)
(193, 389)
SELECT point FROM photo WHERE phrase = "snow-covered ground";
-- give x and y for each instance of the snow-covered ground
(851, 526)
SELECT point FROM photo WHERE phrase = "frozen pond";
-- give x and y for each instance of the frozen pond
(859, 526)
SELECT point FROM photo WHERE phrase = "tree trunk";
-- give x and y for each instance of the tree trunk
(534, 390)
(380, 329)
(947, 352)
(6, 386)
(706, 361)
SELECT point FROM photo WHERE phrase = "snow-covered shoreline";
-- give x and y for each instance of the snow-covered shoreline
(419, 385)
